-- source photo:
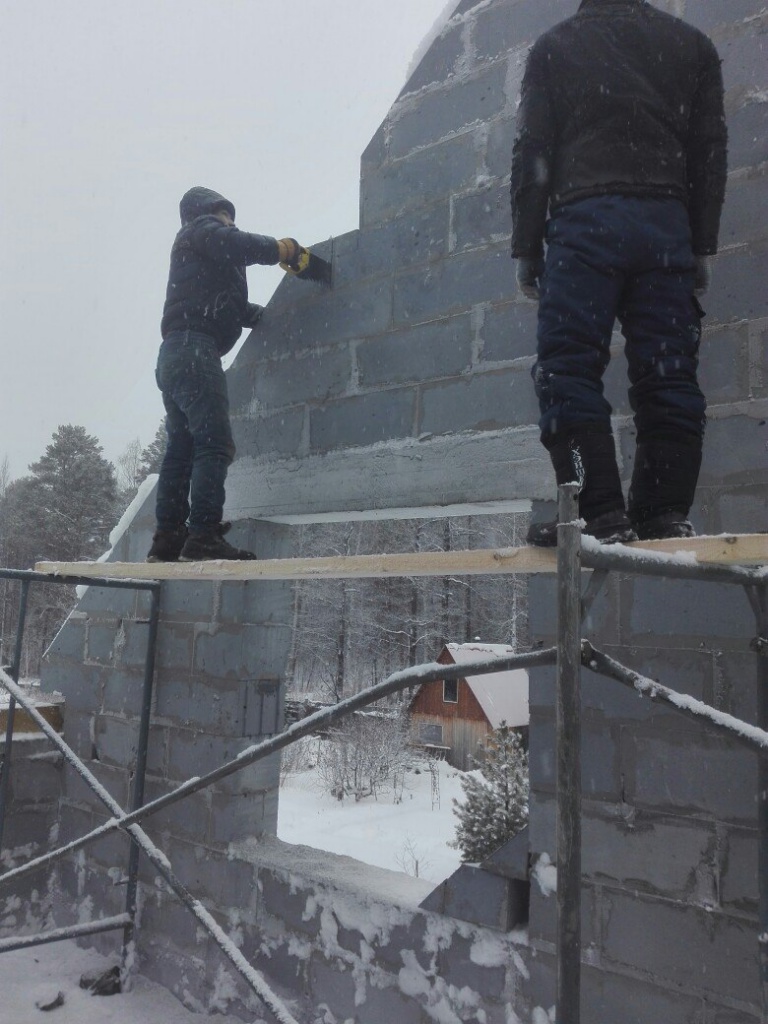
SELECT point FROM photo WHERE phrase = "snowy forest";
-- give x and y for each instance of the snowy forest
(63, 510)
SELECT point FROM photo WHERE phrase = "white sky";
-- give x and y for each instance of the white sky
(109, 111)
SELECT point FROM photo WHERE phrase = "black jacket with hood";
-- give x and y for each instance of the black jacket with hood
(207, 288)
(620, 99)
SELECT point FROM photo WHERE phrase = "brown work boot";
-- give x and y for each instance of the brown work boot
(167, 545)
(210, 546)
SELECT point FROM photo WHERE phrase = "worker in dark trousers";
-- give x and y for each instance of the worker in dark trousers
(620, 166)
(206, 308)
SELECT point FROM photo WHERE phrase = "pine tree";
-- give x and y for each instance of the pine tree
(152, 455)
(495, 805)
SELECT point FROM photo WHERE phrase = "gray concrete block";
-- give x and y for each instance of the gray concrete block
(401, 185)
(69, 642)
(279, 434)
(100, 640)
(411, 936)
(511, 24)
(481, 216)
(740, 511)
(336, 317)
(737, 686)
(218, 654)
(442, 348)
(600, 776)
(726, 958)
(268, 603)
(385, 1005)
(78, 731)
(474, 895)
(210, 876)
(608, 996)
(32, 781)
(362, 420)
(694, 613)
(724, 364)
(745, 211)
(123, 692)
(509, 332)
(174, 698)
(748, 132)
(188, 818)
(187, 601)
(734, 452)
(689, 771)
(499, 137)
(711, 14)
(292, 904)
(334, 985)
(440, 62)
(115, 780)
(743, 56)
(489, 401)
(174, 648)
(265, 651)
(111, 602)
(732, 295)
(419, 235)
(542, 926)
(648, 854)
(454, 285)
(739, 871)
(115, 740)
(80, 684)
(447, 111)
(318, 374)
(242, 816)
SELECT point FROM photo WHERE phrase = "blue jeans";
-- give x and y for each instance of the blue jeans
(625, 258)
(200, 447)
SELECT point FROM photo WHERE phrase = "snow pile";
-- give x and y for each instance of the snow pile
(36, 976)
(409, 836)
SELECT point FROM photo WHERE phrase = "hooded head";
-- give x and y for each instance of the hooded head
(199, 201)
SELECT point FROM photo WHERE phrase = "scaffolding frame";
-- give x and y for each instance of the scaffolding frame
(575, 553)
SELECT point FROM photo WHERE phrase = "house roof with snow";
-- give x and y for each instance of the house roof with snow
(503, 696)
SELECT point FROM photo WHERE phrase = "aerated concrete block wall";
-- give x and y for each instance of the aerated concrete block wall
(408, 385)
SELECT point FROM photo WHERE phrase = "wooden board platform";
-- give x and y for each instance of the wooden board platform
(741, 549)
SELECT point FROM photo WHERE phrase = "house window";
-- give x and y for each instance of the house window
(450, 691)
(431, 734)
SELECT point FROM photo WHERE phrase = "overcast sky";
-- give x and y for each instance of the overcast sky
(109, 111)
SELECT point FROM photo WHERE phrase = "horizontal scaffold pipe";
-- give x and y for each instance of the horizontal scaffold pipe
(748, 735)
(693, 558)
(94, 578)
(318, 721)
(246, 970)
(75, 931)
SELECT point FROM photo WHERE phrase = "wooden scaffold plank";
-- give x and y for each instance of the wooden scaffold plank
(733, 549)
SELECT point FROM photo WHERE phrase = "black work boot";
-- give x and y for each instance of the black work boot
(167, 545)
(663, 488)
(589, 459)
(209, 545)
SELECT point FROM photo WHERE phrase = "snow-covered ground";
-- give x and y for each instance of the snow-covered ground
(377, 831)
(32, 976)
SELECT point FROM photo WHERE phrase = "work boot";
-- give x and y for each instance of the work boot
(167, 545)
(667, 526)
(663, 488)
(589, 459)
(609, 528)
(209, 545)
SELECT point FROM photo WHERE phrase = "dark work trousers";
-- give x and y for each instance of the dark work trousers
(200, 447)
(625, 258)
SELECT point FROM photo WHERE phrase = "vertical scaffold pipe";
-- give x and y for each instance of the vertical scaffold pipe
(5, 771)
(761, 616)
(137, 795)
(568, 757)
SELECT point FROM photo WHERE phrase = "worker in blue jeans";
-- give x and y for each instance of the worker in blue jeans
(620, 166)
(206, 309)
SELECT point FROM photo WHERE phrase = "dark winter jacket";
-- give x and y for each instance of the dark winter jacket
(207, 288)
(620, 99)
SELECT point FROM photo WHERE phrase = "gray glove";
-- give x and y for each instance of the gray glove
(703, 277)
(253, 314)
(530, 270)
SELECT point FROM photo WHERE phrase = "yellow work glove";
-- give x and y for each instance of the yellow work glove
(293, 257)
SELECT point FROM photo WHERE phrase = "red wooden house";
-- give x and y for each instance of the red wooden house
(451, 717)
